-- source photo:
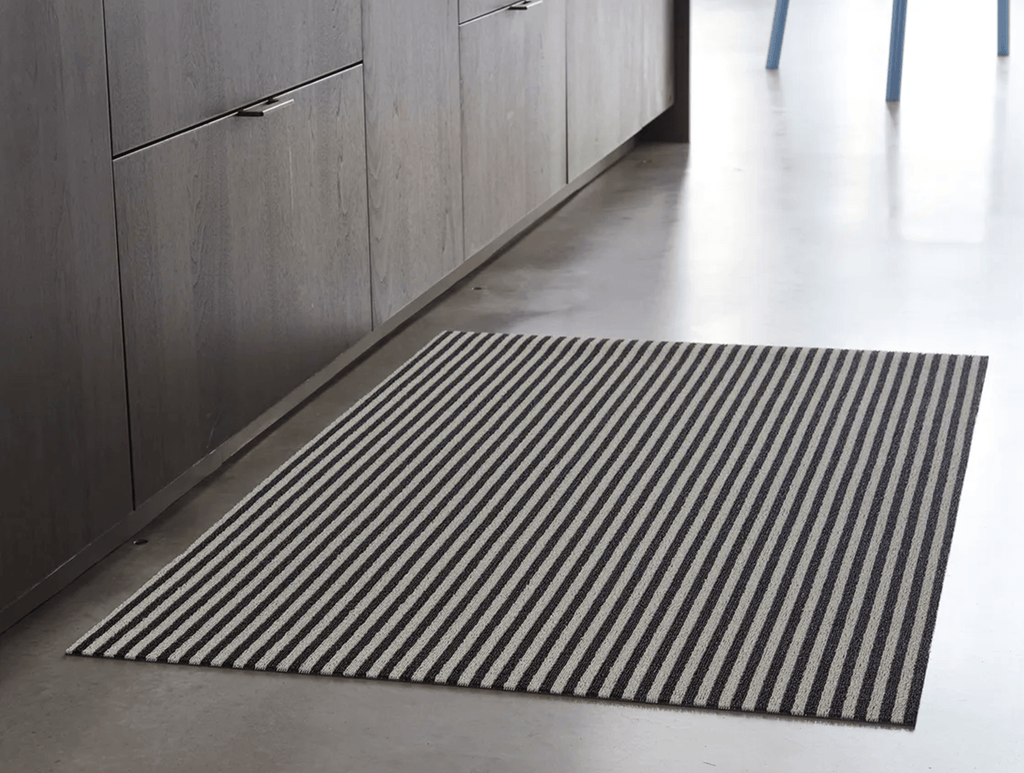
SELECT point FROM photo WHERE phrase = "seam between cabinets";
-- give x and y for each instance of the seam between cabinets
(117, 261)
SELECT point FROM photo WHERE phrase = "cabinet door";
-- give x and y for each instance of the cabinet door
(513, 116)
(619, 73)
(245, 269)
(175, 63)
(64, 466)
(413, 147)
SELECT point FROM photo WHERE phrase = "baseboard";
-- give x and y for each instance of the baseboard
(146, 513)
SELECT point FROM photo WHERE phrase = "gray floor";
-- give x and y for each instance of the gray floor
(806, 212)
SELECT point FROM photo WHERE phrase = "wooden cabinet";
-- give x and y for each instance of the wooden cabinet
(244, 266)
(64, 466)
(413, 146)
(620, 73)
(175, 63)
(513, 116)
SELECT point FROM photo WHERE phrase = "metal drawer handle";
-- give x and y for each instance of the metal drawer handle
(525, 5)
(258, 111)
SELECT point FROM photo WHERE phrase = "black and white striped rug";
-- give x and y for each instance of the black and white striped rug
(736, 527)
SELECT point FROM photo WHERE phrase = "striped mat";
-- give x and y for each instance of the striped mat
(734, 527)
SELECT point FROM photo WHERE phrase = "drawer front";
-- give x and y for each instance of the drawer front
(175, 63)
(513, 117)
(470, 9)
(244, 269)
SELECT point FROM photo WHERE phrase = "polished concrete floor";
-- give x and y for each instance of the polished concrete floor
(807, 211)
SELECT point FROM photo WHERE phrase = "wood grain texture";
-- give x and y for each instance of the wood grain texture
(619, 65)
(470, 9)
(175, 63)
(245, 269)
(64, 463)
(513, 117)
(414, 147)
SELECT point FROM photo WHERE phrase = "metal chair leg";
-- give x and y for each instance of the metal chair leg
(1004, 27)
(899, 28)
(778, 28)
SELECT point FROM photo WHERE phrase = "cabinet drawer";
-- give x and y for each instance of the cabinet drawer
(513, 117)
(175, 63)
(244, 269)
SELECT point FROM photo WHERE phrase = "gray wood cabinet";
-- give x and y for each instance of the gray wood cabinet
(244, 266)
(175, 63)
(64, 466)
(413, 146)
(620, 73)
(513, 116)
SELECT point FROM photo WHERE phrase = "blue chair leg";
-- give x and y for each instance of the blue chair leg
(778, 28)
(899, 28)
(1004, 27)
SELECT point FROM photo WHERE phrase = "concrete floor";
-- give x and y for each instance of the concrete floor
(808, 212)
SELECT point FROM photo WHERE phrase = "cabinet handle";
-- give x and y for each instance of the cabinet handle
(258, 111)
(525, 5)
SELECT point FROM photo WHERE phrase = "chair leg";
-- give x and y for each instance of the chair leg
(1004, 27)
(899, 28)
(778, 28)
